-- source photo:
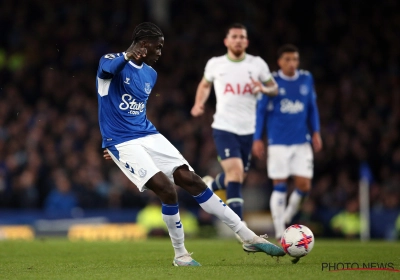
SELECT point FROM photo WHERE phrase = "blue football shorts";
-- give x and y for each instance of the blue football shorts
(231, 145)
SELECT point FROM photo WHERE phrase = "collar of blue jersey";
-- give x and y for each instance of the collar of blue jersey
(288, 78)
(133, 64)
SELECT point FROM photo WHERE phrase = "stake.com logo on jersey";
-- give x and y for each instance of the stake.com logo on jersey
(129, 103)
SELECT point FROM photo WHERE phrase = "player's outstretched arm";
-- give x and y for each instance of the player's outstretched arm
(202, 94)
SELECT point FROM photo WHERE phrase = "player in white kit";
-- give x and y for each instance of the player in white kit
(124, 83)
(238, 79)
(292, 123)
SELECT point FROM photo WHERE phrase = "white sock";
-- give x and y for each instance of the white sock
(171, 217)
(245, 233)
(293, 205)
(212, 204)
(277, 205)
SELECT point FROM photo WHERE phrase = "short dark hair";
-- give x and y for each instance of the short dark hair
(288, 48)
(235, 25)
(145, 30)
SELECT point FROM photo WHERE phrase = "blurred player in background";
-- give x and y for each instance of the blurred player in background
(292, 123)
(238, 78)
(124, 83)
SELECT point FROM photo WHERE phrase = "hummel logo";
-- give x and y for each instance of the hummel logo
(127, 81)
(130, 168)
(178, 224)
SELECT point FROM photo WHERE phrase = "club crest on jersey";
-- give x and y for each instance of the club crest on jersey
(142, 172)
(147, 88)
(303, 89)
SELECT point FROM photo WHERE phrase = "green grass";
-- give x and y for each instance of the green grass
(220, 259)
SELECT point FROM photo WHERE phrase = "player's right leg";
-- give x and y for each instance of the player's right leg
(133, 159)
(234, 176)
(165, 190)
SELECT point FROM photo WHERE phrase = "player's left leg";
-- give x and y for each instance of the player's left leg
(296, 199)
(212, 204)
(234, 153)
(301, 167)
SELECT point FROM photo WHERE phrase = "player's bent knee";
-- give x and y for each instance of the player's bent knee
(189, 181)
(183, 176)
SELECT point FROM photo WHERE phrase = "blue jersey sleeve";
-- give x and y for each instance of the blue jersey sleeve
(110, 65)
(313, 114)
(261, 116)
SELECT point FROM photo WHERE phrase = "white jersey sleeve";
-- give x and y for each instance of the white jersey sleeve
(209, 72)
(265, 73)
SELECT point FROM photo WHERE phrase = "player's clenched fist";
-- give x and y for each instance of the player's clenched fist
(136, 53)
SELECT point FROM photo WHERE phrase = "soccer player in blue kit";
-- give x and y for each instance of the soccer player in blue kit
(148, 159)
(292, 122)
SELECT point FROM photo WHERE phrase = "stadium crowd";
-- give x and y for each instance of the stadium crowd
(50, 144)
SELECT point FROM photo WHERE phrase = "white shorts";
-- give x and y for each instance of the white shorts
(284, 161)
(140, 159)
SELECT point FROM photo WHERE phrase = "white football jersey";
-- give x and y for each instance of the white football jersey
(236, 105)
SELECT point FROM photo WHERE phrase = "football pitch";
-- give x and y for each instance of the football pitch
(220, 259)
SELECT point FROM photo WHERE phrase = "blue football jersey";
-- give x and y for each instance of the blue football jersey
(292, 115)
(123, 89)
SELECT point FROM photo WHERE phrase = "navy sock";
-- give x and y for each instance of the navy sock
(234, 198)
(219, 182)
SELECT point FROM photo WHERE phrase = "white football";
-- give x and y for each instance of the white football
(297, 241)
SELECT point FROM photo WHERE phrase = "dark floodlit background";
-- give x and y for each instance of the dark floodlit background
(50, 145)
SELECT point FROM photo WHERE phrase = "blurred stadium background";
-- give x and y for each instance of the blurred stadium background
(53, 178)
